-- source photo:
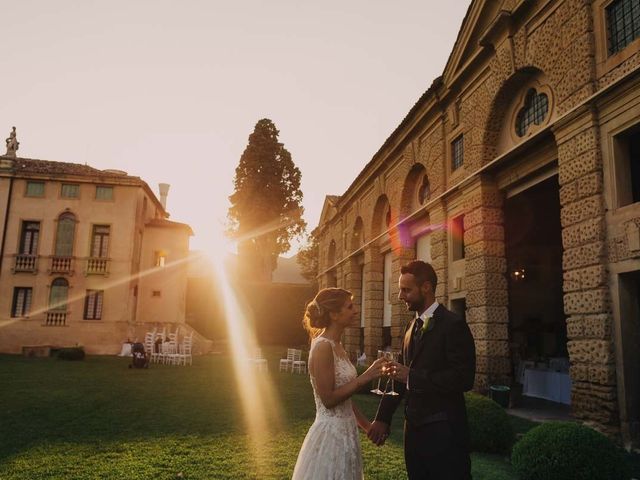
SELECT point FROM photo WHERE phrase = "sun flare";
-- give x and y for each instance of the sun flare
(259, 404)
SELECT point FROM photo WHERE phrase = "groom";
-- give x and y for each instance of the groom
(436, 366)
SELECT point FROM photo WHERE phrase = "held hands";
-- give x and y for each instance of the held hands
(378, 432)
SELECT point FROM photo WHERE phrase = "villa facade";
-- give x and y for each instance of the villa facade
(88, 257)
(517, 176)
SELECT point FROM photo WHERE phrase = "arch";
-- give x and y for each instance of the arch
(65, 234)
(410, 200)
(500, 127)
(357, 235)
(381, 213)
(59, 294)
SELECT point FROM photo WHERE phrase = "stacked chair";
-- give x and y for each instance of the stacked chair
(287, 363)
(293, 361)
(170, 350)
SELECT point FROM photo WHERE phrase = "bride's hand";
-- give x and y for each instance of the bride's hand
(375, 370)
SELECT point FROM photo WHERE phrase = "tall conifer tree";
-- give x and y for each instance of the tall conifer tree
(266, 206)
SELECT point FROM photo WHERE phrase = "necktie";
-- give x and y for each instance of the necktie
(416, 335)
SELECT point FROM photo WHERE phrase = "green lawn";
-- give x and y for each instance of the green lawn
(96, 419)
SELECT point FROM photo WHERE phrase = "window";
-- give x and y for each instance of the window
(534, 111)
(29, 238)
(21, 301)
(161, 258)
(59, 294)
(457, 238)
(623, 24)
(100, 241)
(104, 193)
(457, 153)
(156, 293)
(70, 190)
(65, 234)
(626, 151)
(423, 248)
(387, 218)
(93, 305)
(35, 189)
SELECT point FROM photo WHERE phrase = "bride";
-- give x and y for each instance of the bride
(331, 449)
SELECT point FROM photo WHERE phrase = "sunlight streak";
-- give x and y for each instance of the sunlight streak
(264, 229)
(261, 410)
(63, 304)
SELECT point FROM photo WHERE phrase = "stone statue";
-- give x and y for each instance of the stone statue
(12, 144)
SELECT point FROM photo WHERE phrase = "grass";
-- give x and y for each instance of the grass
(97, 419)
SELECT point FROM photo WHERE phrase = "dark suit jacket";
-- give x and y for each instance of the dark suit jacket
(442, 367)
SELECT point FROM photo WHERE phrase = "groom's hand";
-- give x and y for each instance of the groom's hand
(378, 432)
(399, 372)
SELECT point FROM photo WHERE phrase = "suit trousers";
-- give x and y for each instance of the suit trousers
(432, 452)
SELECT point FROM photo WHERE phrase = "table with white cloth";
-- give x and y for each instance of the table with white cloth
(126, 350)
(547, 384)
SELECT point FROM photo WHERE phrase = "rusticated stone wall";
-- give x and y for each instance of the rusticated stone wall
(374, 308)
(486, 283)
(586, 293)
(552, 44)
(353, 283)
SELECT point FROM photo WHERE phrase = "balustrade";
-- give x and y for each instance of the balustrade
(56, 318)
(26, 263)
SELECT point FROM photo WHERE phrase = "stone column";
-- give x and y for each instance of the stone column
(374, 301)
(485, 281)
(439, 250)
(353, 283)
(403, 254)
(586, 292)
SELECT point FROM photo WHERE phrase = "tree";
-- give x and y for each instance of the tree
(266, 206)
(308, 256)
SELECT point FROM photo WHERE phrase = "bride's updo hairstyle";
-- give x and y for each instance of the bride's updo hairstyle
(328, 300)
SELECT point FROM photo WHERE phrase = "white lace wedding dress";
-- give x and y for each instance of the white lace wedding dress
(331, 449)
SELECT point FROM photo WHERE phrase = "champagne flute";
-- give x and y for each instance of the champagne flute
(392, 357)
(377, 390)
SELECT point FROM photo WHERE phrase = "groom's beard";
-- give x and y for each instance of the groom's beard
(417, 306)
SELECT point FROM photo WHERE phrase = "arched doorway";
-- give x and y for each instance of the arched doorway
(537, 323)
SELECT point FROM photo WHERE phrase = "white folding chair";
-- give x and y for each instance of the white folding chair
(285, 363)
(259, 361)
(299, 365)
(149, 346)
(169, 352)
(184, 351)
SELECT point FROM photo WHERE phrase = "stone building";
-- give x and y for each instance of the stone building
(517, 175)
(87, 256)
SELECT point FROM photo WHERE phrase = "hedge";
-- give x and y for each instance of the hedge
(561, 450)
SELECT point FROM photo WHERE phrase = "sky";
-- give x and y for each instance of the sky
(169, 91)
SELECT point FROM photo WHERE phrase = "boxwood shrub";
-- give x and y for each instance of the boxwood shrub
(71, 353)
(561, 450)
(489, 425)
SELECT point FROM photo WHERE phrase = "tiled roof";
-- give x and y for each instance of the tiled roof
(49, 167)
(162, 223)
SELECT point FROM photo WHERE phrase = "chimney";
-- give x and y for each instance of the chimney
(164, 191)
